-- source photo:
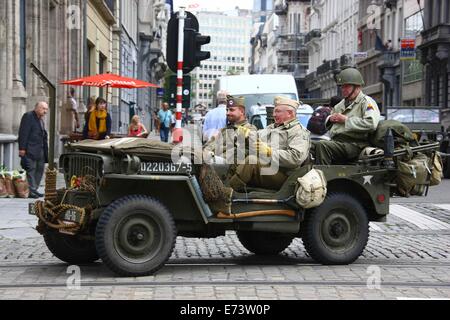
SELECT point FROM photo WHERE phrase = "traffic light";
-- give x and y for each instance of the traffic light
(193, 42)
(186, 91)
(194, 54)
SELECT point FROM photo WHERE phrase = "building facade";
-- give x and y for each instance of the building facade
(50, 35)
(331, 42)
(71, 39)
(128, 63)
(264, 43)
(103, 50)
(435, 51)
(412, 70)
(262, 9)
(153, 18)
(230, 52)
(292, 53)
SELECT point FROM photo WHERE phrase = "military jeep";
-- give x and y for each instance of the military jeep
(126, 201)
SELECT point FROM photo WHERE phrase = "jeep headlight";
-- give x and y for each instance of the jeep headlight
(130, 165)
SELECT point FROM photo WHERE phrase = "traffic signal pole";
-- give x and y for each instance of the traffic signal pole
(178, 131)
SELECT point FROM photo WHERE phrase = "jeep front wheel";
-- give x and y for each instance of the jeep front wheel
(70, 249)
(264, 243)
(337, 232)
(135, 236)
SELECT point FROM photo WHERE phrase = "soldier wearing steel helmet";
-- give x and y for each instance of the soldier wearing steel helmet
(350, 123)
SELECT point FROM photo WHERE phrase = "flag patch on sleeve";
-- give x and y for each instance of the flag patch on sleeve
(370, 108)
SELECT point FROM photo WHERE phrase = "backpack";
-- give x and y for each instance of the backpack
(316, 123)
(311, 189)
(413, 175)
(403, 136)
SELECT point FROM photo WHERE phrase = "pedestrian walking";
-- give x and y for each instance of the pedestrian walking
(33, 146)
(165, 119)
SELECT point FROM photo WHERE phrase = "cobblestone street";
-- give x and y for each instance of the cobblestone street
(406, 258)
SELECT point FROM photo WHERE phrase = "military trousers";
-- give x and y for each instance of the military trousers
(335, 152)
(250, 175)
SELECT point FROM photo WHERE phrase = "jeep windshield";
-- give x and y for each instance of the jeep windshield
(414, 115)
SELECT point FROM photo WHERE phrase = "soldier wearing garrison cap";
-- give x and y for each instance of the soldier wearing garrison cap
(291, 152)
(234, 137)
(350, 123)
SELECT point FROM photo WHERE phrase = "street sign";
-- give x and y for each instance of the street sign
(160, 92)
(360, 55)
(407, 49)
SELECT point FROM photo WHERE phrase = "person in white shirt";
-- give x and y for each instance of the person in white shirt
(73, 109)
(216, 119)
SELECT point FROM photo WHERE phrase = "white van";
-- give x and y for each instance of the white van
(260, 90)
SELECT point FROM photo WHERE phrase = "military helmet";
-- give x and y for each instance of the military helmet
(350, 76)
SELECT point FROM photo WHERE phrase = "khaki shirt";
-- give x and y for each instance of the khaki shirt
(229, 138)
(363, 118)
(294, 143)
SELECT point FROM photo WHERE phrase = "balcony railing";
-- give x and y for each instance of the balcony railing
(327, 66)
(292, 45)
(389, 59)
(284, 61)
(315, 33)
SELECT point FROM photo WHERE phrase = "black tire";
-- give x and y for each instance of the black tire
(135, 236)
(337, 232)
(264, 243)
(70, 249)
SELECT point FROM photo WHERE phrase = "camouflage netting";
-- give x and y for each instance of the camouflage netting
(210, 183)
(143, 148)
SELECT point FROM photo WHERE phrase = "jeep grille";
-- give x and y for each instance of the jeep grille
(81, 165)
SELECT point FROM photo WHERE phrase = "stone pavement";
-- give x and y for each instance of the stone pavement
(407, 257)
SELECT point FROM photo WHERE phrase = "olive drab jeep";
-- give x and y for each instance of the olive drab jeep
(126, 201)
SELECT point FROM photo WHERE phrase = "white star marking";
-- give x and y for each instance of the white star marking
(368, 180)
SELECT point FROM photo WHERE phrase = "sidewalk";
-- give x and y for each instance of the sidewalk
(15, 222)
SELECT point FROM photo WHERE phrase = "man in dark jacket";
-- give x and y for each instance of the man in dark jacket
(33, 146)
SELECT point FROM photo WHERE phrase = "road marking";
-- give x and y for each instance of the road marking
(374, 227)
(424, 222)
(443, 206)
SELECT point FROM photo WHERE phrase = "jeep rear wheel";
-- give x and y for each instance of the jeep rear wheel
(264, 243)
(70, 249)
(337, 232)
(135, 236)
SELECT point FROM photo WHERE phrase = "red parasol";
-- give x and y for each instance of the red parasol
(110, 80)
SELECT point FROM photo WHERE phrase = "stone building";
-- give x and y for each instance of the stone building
(292, 53)
(435, 53)
(332, 42)
(68, 39)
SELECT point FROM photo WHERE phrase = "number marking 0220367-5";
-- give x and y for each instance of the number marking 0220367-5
(165, 167)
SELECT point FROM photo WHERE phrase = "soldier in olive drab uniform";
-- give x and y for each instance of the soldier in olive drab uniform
(232, 142)
(229, 147)
(350, 123)
(291, 152)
